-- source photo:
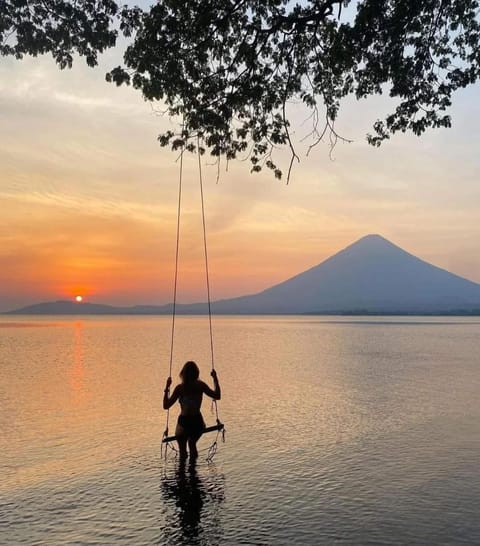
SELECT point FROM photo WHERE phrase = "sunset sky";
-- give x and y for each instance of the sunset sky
(88, 198)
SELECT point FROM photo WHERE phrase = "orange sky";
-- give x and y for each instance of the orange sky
(89, 199)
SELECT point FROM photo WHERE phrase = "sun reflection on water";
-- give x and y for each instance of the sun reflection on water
(77, 375)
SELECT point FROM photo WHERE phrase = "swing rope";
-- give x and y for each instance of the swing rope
(213, 448)
(179, 208)
(207, 277)
(219, 426)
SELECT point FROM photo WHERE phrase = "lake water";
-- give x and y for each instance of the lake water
(339, 430)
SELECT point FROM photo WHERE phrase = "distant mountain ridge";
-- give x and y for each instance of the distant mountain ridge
(371, 275)
(65, 307)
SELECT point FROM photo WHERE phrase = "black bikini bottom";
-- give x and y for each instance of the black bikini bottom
(193, 425)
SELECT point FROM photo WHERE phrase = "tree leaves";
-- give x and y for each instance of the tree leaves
(58, 27)
(228, 69)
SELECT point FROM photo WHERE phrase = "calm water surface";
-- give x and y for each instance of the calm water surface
(349, 431)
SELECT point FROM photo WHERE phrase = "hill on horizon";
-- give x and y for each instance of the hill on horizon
(372, 275)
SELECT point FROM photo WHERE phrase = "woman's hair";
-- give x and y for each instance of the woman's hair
(190, 372)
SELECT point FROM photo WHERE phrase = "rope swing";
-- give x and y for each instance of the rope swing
(218, 427)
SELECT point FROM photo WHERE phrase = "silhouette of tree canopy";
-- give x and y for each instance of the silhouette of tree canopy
(230, 68)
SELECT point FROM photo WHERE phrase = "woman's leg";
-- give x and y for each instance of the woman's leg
(181, 441)
(192, 446)
(195, 436)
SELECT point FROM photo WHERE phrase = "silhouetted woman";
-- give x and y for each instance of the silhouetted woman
(189, 393)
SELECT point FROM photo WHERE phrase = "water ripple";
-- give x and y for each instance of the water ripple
(336, 434)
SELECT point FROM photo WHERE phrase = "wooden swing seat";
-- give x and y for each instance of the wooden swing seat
(219, 426)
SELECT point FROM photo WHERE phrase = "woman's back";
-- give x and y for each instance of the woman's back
(190, 397)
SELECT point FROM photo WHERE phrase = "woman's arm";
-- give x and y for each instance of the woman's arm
(168, 401)
(216, 393)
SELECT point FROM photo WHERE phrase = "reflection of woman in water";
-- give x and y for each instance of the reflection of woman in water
(192, 506)
(189, 393)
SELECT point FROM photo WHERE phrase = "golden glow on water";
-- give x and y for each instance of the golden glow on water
(71, 405)
(78, 367)
(330, 416)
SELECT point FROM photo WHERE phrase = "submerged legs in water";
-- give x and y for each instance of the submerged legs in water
(182, 447)
(188, 432)
(183, 441)
(192, 447)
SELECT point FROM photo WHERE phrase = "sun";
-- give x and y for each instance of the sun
(78, 299)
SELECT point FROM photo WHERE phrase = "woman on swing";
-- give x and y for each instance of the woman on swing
(189, 393)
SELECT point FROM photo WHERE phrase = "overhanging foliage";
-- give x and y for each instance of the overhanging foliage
(229, 68)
